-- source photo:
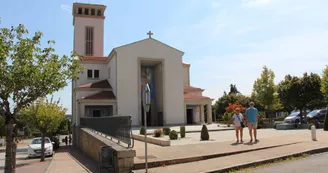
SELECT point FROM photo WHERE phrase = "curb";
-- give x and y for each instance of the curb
(264, 161)
(154, 164)
(52, 158)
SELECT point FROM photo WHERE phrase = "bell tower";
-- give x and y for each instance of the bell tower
(88, 22)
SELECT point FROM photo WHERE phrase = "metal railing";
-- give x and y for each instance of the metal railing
(118, 127)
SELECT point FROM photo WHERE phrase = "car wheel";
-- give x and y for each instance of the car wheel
(297, 121)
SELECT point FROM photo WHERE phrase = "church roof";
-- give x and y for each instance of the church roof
(95, 58)
(192, 96)
(188, 87)
(152, 40)
(98, 84)
(102, 95)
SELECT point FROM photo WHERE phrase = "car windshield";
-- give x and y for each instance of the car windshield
(312, 113)
(38, 141)
(293, 114)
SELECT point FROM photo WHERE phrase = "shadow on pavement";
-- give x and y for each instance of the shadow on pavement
(17, 166)
(78, 156)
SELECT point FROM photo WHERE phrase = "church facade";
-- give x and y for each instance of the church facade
(112, 85)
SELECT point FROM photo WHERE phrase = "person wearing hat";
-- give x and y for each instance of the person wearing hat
(251, 117)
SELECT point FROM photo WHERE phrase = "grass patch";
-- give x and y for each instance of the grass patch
(257, 166)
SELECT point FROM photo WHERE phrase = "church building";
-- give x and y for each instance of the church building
(112, 84)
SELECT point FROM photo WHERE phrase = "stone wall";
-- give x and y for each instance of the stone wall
(90, 143)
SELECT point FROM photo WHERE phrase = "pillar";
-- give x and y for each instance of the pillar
(185, 113)
(209, 113)
(202, 114)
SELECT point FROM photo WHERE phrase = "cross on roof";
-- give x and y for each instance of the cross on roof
(150, 34)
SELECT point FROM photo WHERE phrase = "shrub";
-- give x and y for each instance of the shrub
(275, 125)
(204, 133)
(173, 135)
(183, 131)
(158, 133)
(166, 130)
(310, 125)
(325, 126)
(142, 130)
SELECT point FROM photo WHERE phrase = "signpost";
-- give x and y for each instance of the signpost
(146, 105)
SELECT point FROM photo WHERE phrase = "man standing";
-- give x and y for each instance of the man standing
(252, 115)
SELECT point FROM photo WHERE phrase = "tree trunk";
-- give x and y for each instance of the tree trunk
(10, 162)
(42, 147)
(301, 114)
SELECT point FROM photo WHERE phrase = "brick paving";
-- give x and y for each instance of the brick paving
(209, 165)
(71, 160)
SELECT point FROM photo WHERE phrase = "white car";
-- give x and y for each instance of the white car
(34, 149)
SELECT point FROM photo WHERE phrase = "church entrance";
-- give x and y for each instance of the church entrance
(190, 113)
(151, 73)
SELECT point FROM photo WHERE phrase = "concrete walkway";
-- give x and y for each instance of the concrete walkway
(298, 144)
(71, 160)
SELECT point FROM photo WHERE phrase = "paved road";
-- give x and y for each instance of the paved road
(312, 164)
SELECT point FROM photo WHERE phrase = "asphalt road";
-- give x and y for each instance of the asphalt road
(312, 164)
(21, 154)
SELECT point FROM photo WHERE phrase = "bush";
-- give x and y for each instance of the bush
(310, 125)
(36, 134)
(173, 135)
(142, 130)
(158, 133)
(204, 133)
(325, 126)
(183, 131)
(166, 130)
(275, 125)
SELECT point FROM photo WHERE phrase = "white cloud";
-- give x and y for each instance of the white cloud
(287, 55)
(67, 8)
(256, 3)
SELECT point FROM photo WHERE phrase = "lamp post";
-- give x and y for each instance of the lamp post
(146, 105)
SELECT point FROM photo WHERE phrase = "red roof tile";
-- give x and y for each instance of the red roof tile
(188, 87)
(101, 95)
(192, 96)
(98, 84)
(94, 58)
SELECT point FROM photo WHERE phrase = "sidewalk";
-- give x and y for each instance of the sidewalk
(231, 161)
(70, 160)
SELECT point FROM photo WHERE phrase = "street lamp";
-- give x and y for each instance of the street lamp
(146, 105)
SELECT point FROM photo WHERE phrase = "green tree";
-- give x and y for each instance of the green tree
(44, 116)
(287, 93)
(312, 95)
(264, 88)
(28, 71)
(324, 90)
(63, 128)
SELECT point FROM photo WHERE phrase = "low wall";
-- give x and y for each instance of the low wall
(90, 143)
(152, 140)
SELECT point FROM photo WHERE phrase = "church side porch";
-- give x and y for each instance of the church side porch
(198, 108)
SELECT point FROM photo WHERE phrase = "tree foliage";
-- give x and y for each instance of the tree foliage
(264, 88)
(28, 72)
(45, 116)
(300, 93)
(324, 90)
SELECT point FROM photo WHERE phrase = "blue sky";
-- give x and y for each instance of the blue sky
(224, 41)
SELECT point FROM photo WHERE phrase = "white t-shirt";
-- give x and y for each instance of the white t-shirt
(236, 121)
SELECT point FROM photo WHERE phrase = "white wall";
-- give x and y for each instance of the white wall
(83, 77)
(79, 35)
(186, 80)
(128, 73)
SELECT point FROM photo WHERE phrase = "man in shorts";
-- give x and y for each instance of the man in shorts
(251, 117)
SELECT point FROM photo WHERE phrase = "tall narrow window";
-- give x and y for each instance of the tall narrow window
(80, 11)
(89, 73)
(96, 73)
(89, 41)
(86, 11)
(93, 12)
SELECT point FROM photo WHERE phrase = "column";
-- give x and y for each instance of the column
(185, 113)
(209, 113)
(202, 120)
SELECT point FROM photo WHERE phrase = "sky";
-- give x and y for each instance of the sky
(225, 41)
